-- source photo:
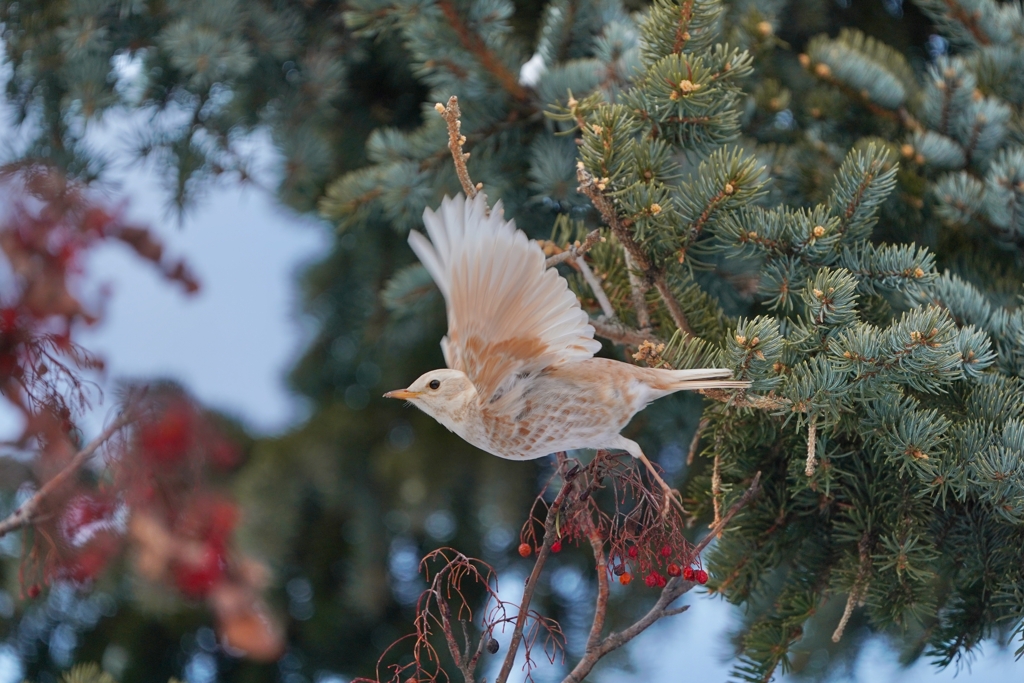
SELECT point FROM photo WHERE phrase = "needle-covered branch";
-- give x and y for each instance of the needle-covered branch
(635, 253)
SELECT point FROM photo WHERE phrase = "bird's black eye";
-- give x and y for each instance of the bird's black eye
(434, 383)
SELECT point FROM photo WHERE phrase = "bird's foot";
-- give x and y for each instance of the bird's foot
(669, 495)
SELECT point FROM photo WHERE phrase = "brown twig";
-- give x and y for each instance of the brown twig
(716, 488)
(695, 441)
(605, 207)
(755, 486)
(23, 516)
(736, 400)
(812, 438)
(601, 603)
(614, 330)
(531, 582)
(574, 251)
(639, 293)
(452, 116)
(859, 586)
(575, 254)
(675, 588)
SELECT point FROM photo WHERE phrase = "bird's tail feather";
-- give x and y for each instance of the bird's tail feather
(698, 378)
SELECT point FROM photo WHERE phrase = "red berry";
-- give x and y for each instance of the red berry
(702, 576)
(556, 547)
(166, 440)
(196, 580)
(633, 552)
(651, 580)
(674, 570)
(688, 573)
(625, 579)
(661, 581)
(666, 551)
(525, 550)
(33, 591)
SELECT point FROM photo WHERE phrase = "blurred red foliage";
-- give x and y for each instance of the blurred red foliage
(153, 496)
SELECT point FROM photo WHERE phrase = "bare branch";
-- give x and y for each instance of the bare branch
(23, 516)
(716, 488)
(601, 604)
(575, 250)
(456, 140)
(755, 486)
(695, 441)
(613, 329)
(639, 293)
(531, 582)
(574, 254)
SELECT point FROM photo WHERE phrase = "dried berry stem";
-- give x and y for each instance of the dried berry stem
(24, 514)
(451, 114)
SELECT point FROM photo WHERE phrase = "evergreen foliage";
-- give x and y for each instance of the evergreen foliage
(842, 227)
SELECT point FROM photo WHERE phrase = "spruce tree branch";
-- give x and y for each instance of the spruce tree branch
(488, 60)
(755, 486)
(452, 116)
(25, 513)
(969, 22)
(605, 207)
(767, 402)
(531, 582)
(682, 32)
(900, 115)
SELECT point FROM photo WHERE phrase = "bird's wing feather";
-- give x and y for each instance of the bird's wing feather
(507, 313)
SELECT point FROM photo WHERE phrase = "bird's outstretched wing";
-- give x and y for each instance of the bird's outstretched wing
(508, 315)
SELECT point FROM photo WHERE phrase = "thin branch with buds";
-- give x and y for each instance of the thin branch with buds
(25, 513)
(452, 116)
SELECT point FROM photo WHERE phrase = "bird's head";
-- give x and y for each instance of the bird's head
(445, 395)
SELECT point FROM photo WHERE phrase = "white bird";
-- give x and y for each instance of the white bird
(522, 381)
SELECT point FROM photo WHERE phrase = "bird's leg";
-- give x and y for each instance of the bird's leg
(671, 496)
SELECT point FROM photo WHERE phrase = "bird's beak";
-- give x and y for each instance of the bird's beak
(404, 394)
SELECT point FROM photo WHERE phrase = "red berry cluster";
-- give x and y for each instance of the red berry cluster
(653, 571)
